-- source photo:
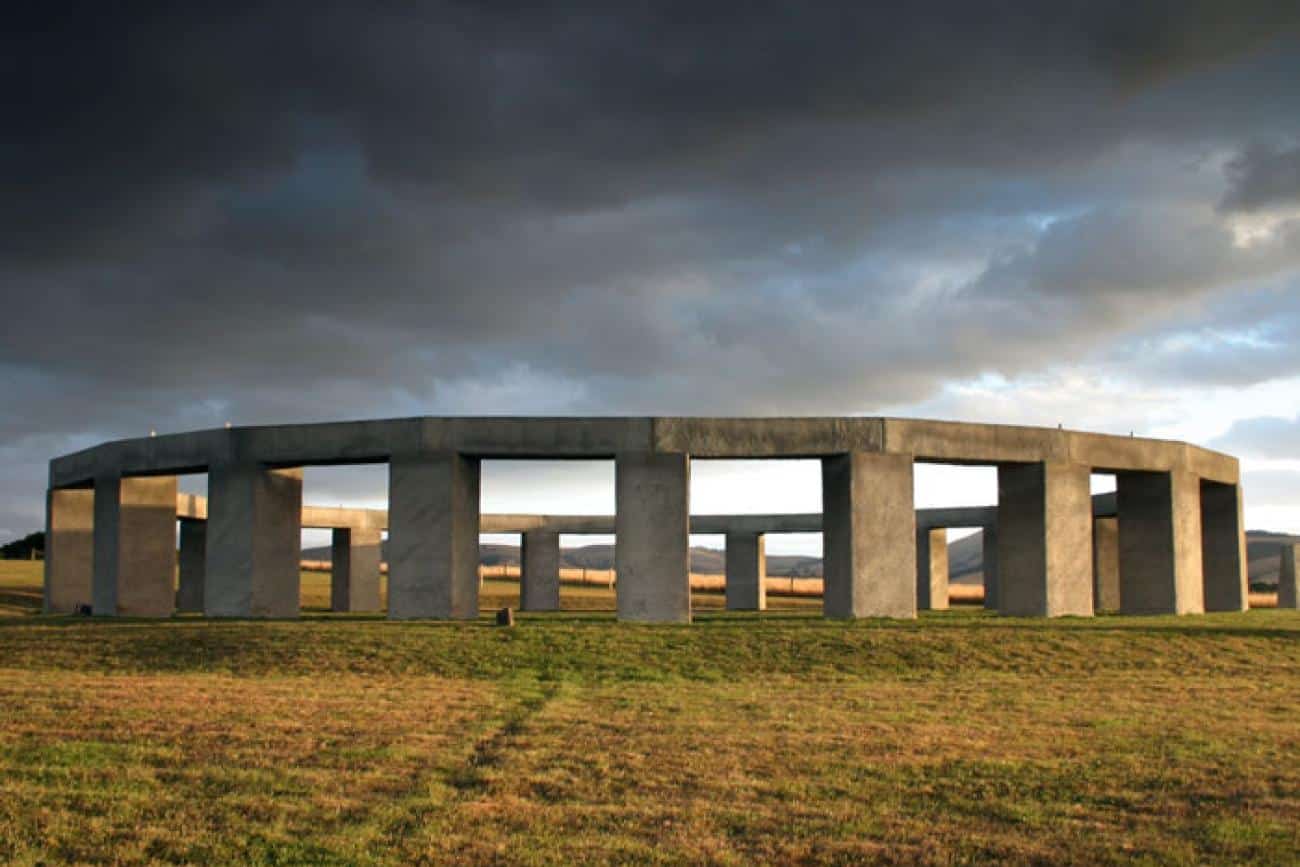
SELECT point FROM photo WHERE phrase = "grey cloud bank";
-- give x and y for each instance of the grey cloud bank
(298, 212)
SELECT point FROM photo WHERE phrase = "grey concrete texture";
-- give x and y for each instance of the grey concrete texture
(746, 578)
(69, 549)
(1224, 566)
(192, 566)
(869, 537)
(1160, 543)
(433, 536)
(539, 571)
(932, 569)
(990, 554)
(134, 547)
(1288, 582)
(253, 542)
(1105, 564)
(381, 440)
(1044, 521)
(652, 556)
(354, 571)
(253, 528)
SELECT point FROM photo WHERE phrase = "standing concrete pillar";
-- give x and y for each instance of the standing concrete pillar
(990, 567)
(652, 543)
(1044, 538)
(1105, 564)
(354, 569)
(868, 536)
(193, 563)
(539, 571)
(1223, 548)
(69, 549)
(254, 542)
(746, 584)
(932, 569)
(1160, 543)
(1288, 584)
(433, 557)
(135, 546)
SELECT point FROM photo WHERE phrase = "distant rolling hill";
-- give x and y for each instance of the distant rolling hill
(965, 558)
(703, 560)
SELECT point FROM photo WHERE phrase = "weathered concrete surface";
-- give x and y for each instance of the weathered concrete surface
(746, 564)
(254, 542)
(869, 536)
(602, 438)
(135, 546)
(539, 571)
(1223, 548)
(354, 569)
(810, 522)
(957, 516)
(1105, 564)
(192, 565)
(932, 569)
(192, 506)
(1160, 543)
(337, 518)
(652, 547)
(1288, 581)
(69, 549)
(768, 437)
(1044, 522)
(1038, 580)
(598, 437)
(990, 555)
(433, 537)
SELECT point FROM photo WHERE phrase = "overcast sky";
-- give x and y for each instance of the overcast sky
(1001, 212)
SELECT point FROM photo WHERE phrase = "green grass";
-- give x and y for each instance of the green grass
(784, 738)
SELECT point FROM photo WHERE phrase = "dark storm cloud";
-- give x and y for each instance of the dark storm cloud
(1262, 177)
(298, 211)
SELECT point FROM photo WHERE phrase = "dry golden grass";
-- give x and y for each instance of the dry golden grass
(779, 738)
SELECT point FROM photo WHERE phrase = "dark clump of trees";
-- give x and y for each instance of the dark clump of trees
(31, 547)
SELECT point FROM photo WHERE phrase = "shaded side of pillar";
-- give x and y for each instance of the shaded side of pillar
(69, 549)
(433, 557)
(652, 542)
(932, 569)
(1160, 543)
(1223, 548)
(990, 568)
(193, 563)
(1288, 581)
(746, 584)
(1105, 564)
(355, 554)
(1044, 540)
(539, 571)
(868, 536)
(135, 546)
(254, 542)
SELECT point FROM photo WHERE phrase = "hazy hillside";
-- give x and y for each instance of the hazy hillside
(704, 560)
(965, 558)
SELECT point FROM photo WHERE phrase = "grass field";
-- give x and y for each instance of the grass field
(783, 737)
